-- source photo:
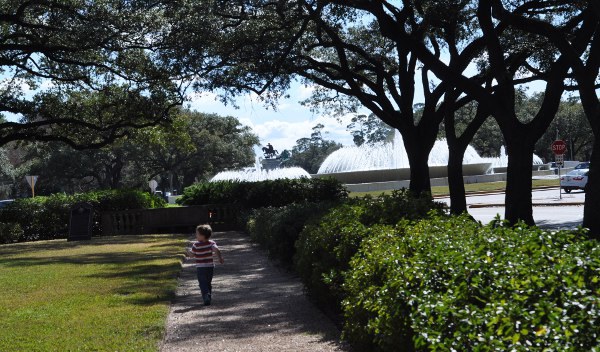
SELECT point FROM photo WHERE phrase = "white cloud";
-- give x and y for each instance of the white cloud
(283, 134)
(282, 126)
(305, 91)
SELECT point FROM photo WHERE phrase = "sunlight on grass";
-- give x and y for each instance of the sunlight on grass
(469, 188)
(111, 293)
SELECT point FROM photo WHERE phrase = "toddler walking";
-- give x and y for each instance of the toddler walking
(202, 250)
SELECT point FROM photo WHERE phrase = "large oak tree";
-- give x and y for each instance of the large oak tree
(582, 53)
(336, 46)
(65, 65)
(511, 57)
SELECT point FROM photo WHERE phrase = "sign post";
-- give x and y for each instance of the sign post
(153, 184)
(559, 148)
(31, 180)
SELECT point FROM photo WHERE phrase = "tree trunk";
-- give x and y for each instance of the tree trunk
(458, 202)
(457, 147)
(518, 185)
(418, 156)
(591, 212)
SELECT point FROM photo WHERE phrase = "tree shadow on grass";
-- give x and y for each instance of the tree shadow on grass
(144, 280)
(62, 244)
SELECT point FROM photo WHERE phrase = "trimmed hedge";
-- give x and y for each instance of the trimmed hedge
(275, 193)
(10, 232)
(324, 249)
(277, 229)
(449, 284)
(44, 218)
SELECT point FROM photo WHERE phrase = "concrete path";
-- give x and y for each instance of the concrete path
(256, 307)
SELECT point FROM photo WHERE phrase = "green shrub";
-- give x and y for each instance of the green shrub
(40, 218)
(44, 218)
(324, 249)
(10, 232)
(451, 284)
(389, 209)
(253, 195)
(120, 200)
(277, 229)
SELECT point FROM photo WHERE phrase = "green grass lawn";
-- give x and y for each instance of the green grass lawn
(108, 294)
(470, 188)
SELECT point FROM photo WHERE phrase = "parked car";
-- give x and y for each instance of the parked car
(584, 165)
(576, 179)
(5, 202)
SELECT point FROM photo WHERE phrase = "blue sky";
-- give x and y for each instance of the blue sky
(281, 127)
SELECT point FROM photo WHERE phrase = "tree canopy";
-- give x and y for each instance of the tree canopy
(310, 152)
(81, 73)
(194, 147)
(375, 53)
(368, 129)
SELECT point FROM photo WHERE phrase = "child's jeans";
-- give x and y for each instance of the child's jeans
(205, 276)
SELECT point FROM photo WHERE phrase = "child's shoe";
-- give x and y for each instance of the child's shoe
(207, 300)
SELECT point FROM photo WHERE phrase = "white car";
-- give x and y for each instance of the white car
(576, 179)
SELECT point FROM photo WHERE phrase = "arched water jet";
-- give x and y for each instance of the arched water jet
(256, 175)
(388, 156)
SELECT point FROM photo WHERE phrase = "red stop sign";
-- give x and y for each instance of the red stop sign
(559, 147)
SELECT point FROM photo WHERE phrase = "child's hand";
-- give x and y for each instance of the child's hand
(221, 261)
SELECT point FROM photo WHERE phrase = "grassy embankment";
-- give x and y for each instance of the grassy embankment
(108, 294)
(470, 188)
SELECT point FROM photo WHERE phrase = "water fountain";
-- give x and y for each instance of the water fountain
(267, 168)
(386, 162)
(253, 174)
(500, 163)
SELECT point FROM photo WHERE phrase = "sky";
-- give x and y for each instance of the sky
(282, 126)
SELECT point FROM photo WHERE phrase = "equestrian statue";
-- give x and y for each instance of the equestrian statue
(269, 152)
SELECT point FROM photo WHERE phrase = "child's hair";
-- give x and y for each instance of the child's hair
(204, 230)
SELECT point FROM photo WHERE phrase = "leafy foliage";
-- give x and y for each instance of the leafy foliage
(324, 249)
(10, 232)
(277, 228)
(309, 153)
(451, 284)
(194, 146)
(81, 73)
(44, 218)
(275, 193)
(369, 130)
(570, 122)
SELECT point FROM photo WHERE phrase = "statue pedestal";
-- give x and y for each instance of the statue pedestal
(270, 164)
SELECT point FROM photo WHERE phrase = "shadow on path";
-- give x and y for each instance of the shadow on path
(256, 307)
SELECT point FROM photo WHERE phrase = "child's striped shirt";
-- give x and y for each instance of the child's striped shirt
(203, 252)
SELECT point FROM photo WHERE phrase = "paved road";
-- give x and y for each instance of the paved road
(256, 307)
(555, 217)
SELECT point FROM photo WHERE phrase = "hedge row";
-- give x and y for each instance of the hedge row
(403, 277)
(322, 237)
(277, 228)
(43, 218)
(449, 284)
(275, 193)
(325, 247)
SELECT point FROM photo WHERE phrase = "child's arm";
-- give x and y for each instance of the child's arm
(218, 252)
(189, 252)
